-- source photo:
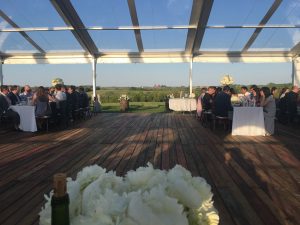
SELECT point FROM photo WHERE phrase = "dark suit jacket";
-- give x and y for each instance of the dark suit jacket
(3, 104)
(207, 102)
(222, 104)
(13, 98)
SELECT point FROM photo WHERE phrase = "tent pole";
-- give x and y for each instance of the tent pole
(1, 71)
(296, 71)
(190, 77)
(94, 68)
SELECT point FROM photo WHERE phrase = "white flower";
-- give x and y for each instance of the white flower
(57, 81)
(227, 80)
(124, 97)
(146, 196)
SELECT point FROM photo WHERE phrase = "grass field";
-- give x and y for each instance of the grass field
(151, 107)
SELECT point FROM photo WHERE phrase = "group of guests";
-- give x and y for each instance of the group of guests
(220, 102)
(59, 100)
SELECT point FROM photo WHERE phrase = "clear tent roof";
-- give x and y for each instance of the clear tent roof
(142, 28)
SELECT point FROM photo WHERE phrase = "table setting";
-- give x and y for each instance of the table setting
(26, 112)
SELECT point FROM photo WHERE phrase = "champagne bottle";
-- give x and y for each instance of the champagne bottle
(60, 201)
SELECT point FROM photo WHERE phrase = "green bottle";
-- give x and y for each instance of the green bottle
(60, 201)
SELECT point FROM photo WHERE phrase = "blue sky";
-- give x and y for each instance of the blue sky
(114, 13)
(149, 74)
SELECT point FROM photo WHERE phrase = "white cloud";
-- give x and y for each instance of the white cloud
(3, 35)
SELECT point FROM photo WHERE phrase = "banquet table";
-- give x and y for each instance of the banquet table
(248, 121)
(183, 104)
(27, 117)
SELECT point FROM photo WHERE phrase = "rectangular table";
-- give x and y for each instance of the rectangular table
(27, 117)
(248, 121)
(183, 104)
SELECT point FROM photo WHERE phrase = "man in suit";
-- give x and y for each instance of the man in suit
(291, 101)
(13, 95)
(4, 108)
(223, 103)
(208, 98)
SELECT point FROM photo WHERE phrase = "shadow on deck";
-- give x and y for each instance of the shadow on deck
(255, 180)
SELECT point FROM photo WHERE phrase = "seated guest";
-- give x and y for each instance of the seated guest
(59, 94)
(26, 94)
(83, 98)
(255, 97)
(223, 103)
(42, 107)
(291, 100)
(208, 99)
(269, 107)
(73, 100)
(252, 87)
(282, 104)
(274, 91)
(41, 102)
(14, 95)
(245, 92)
(199, 102)
(4, 108)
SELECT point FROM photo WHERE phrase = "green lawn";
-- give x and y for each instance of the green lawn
(151, 107)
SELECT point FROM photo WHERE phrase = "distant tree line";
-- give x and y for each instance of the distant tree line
(156, 94)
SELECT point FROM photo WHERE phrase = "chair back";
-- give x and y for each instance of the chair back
(42, 109)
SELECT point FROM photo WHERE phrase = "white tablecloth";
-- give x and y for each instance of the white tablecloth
(248, 121)
(27, 117)
(182, 104)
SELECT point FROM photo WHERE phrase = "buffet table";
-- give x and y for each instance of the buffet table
(27, 117)
(248, 121)
(183, 104)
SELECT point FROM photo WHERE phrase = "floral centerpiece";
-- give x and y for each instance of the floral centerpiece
(124, 97)
(146, 196)
(56, 81)
(124, 103)
(226, 80)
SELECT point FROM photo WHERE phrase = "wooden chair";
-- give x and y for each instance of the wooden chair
(207, 118)
(44, 118)
(224, 120)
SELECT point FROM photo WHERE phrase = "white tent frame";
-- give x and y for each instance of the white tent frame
(198, 24)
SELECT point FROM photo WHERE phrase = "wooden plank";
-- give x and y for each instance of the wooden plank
(255, 180)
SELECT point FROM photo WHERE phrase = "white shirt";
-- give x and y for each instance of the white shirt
(60, 96)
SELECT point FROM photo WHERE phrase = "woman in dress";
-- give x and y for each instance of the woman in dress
(41, 102)
(42, 107)
(269, 107)
(256, 98)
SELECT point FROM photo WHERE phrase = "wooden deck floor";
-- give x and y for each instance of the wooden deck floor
(255, 180)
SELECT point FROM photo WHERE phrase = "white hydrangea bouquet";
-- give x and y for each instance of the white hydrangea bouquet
(56, 81)
(226, 80)
(146, 196)
(124, 97)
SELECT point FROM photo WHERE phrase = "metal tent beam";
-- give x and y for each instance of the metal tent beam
(266, 18)
(94, 70)
(296, 71)
(135, 23)
(14, 25)
(205, 12)
(71, 18)
(194, 20)
(1, 71)
(191, 77)
(296, 49)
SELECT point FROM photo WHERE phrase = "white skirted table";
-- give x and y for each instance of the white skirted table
(248, 121)
(183, 104)
(27, 117)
